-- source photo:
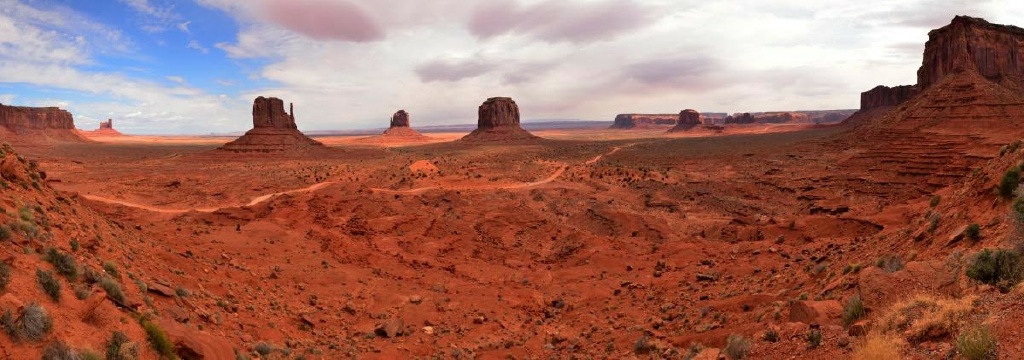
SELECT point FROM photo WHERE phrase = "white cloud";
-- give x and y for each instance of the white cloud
(193, 44)
(183, 27)
(159, 17)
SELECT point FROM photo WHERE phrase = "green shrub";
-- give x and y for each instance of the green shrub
(111, 268)
(32, 324)
(113, 289)
(5, 232)
(264, 349)
(814, 338)
(976, 344)
(1008, 185)
(159, 340)
(853, 310)
(890, 263)
(120, 347)
(973, 232)
(49, 283)
(59, 350)
(737, 346)
(1001, 268)
(64, 263)
(771, 336)
(5, 276)
(935, 201)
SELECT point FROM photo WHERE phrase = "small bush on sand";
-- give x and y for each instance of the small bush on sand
(59, 350)
(877, 347)
(64, 263)
(737, 346)
(159, 340)
(853, 310)
(1009, 182)
(976, 343)
(32, 324)
(814, 338)
(49, 283)
(1000, 268)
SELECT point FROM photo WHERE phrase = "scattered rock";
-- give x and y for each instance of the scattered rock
(816, 312)
(393, 327)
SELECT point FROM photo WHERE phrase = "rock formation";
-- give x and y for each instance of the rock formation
(106, 129)
(31, 124)
(886, 96)
(744, 118)
(400, 130)
(498, 120)
(688, 119)
(273, 130)
(993, 51)
(631, 121)
(400, 119)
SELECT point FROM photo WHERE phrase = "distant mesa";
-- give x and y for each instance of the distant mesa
(32, 124)
(498, 120)
(642, 121)
(106, 129)
(400, 130)
(882, 96)
(688, 119)
(273, 130)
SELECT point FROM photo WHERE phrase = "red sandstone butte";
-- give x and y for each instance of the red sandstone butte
(498, 120)
(273, 130)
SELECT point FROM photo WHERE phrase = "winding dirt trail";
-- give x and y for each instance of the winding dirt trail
(254, 201)
(554, 176)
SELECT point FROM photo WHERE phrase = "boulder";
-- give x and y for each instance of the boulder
(879, 289)
(826, 312)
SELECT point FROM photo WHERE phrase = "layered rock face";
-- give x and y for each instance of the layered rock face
(31, 124)
(498, 120)
(886, 96)
(107, 125)
(994, 51)
(400, 130)
(268, 113)
(273, 130)
(688, 119)
(744, 118)
(400, 119)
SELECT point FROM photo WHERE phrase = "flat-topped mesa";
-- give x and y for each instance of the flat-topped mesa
(631, 121)
(688, 119)
(37, 124)
(273, 130)
(400, 119)
(887, 96)
(19, 118)
(993, 51)
(498, 120)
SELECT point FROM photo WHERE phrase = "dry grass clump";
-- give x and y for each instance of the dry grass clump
(877, 346)
(925, 317)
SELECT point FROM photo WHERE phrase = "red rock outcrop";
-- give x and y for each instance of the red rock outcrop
(107, 125)
(993, 51)
(688, 119)
(273, 130)
(744, 118)
(886, 96)
(498, 120)
(32, 124)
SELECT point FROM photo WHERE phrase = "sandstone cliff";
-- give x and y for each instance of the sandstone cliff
(30, 124)
(973, 44)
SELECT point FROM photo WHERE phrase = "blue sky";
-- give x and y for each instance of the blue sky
(193, 67)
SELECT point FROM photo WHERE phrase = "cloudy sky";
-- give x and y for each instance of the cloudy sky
(193, 67)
